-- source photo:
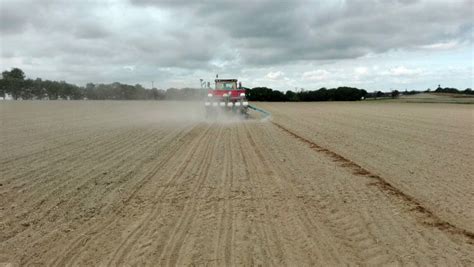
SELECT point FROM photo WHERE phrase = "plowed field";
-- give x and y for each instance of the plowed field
(153, 183)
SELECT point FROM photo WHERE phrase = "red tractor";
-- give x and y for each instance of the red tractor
(227, 97)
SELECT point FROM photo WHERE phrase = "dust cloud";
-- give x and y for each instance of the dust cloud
(184, 112)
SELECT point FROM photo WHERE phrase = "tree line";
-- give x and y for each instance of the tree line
(337, 94)
(467, 91)
(323, 94)
(15, 84)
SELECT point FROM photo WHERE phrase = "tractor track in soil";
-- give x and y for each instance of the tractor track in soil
(71, 252)
(190, 192)
(428, 217)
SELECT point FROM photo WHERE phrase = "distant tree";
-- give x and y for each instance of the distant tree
(395, 94)
(318, 95)
(3, 87)
(172, 94)
(16, 73)
(52, 89)
(26, 90)
(323, 94)
(89, 91)
(38, 90)
(378, 94)
(13, 82)
(447, 90)
(156, 94)
(412, 92)
(259, 94)
(291, 96)
(348, 94)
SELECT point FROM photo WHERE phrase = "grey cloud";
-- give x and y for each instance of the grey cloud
(272, 32)
(90, 31)
(209, 35)
(11, 22)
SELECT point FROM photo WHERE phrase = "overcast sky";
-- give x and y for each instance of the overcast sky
(372, 44)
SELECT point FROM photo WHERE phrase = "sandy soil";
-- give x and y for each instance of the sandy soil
(426, 150)
(114, 183)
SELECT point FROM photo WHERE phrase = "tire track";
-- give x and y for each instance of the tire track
(261, 200)
(76, 246)
(175, 242)
(45, 237)
(51, 136)
(223, 244)
(255, 197)
(63, 183)
(429, 218)
(345, 226)
(59, 158)
(54, 186)
(364, 225)
(229, 233)
(115, 164)
(304, 220)
(428, 161)
(118, 257)
(177, 139)
(89, 153)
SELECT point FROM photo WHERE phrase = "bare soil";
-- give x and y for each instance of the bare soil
(153, 183)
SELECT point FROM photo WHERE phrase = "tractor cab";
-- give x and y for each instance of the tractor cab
(226, 84)
(227, 87)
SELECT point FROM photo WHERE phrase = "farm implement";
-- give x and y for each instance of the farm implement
(226, 98)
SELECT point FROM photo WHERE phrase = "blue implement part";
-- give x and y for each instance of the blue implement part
(266, 113)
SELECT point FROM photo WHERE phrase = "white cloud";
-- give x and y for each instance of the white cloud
(404, 71)
(441, 46)
(129, 68)
(361, 71)
(316, 75)
(277, 75)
